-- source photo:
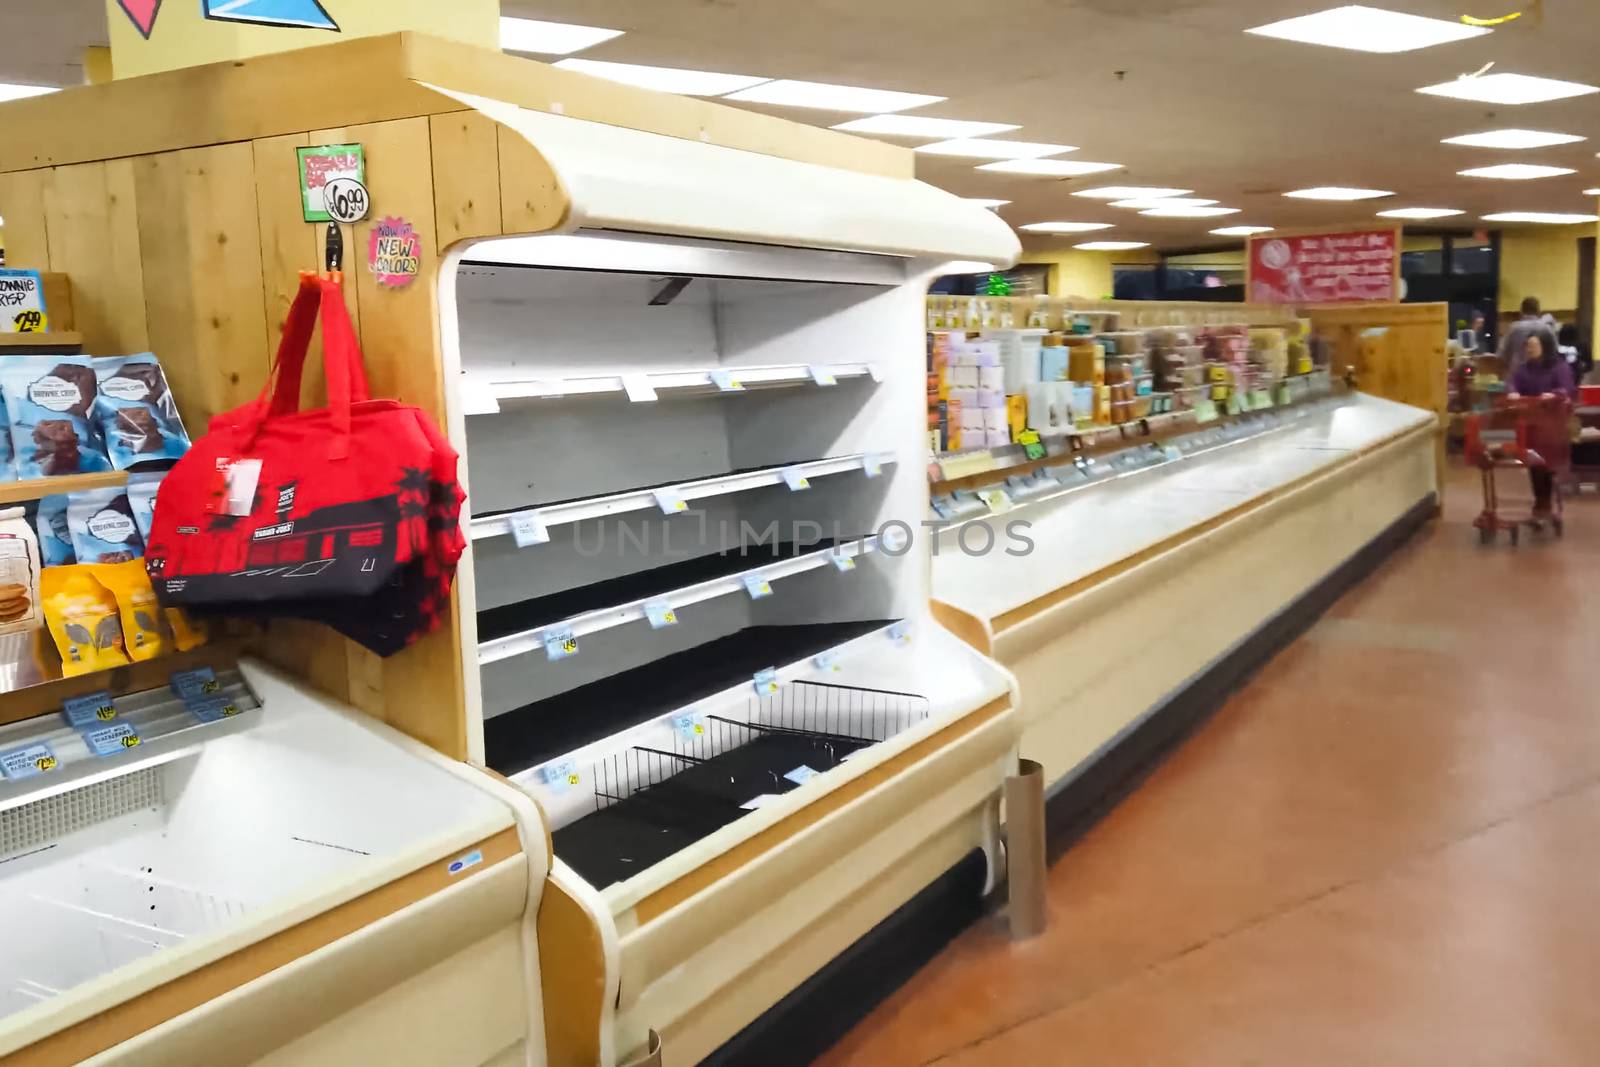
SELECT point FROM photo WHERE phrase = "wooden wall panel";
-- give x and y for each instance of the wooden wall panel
(466, 176)
(92, 221)
(573, 965)
(22, 206)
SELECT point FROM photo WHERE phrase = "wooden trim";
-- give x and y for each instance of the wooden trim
(94, 1035)
(752, 849)
(572, 960)
(380, 78)
(966, 626)
(1019, 615)
(48, 343)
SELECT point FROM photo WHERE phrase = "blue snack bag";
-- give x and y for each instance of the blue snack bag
(102, 527)
(8, 466)
(55, 540)
(50, 403)
(136, 413)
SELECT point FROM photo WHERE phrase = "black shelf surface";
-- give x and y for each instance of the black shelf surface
(627, 837)
(530, 614)
(544, 729)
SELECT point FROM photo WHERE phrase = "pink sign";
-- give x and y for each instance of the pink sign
(394, 253)
(1324, 268)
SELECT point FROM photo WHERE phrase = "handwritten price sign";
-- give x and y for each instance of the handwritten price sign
(22, 302)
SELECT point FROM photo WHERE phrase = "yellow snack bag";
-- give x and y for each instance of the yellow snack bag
(83, 618)
(142, 634)
(187, 631)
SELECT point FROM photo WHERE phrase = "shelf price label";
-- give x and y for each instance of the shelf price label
(110, 740)
(1171, 453)
(91, 709)
(765, 681)
(795, 479)
(528, 529)
(827, 661)
(638, 388)
(842, 562)
(560, 644)
(822, 375)
(872, 465)
(801, 774)
(192, 685)
(27, 761)
(669, 501)
(562, 776)
(756, 585)
(997, 500)
(876, 372)
(660, 614)
(726, 382)
(900, 633)
(1032, 446)
(689, 727)
(214, 709)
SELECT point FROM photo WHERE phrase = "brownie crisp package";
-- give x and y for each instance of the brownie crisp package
(50, 404)
(102, 526)
(55, 541)
(8, 466)
(136, 413)
(142, 499)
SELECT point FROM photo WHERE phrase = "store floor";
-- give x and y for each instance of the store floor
(1384, 850)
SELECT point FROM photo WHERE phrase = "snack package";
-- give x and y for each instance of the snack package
(102, 527)
(83, 619)
(55, 542)
(50, 404)
(142, 500)
(187, 631)
(142, 634)
(8, 466)
(136, 414)
(19, 574)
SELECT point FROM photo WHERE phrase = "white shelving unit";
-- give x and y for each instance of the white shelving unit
(484, 395)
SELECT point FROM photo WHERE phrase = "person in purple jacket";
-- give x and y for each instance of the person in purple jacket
(1544, 374)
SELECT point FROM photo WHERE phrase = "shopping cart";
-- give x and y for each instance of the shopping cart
(1527, 433)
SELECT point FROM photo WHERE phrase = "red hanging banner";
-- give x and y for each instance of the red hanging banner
(1325, 268)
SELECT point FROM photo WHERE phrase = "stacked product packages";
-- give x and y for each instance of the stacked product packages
(75, 415)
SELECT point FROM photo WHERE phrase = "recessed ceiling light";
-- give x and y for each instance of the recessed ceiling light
(1241, 231)
(1337, 192)
(19, 92)
(985, 148)
(1112, 246)
(1554, 218)
(663, 79)
(1065, 227)
(983, 202)
(921, 126)
(1054, 168)
(1508, 89)
(1516, 172)
(821, 96)
(1145, 203)
(1420, 213)
(1513, 139)
(1368, 29)
(1189, 212)
(550, 38)
(1131, 192)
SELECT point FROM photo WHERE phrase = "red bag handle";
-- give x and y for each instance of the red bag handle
(341, 361)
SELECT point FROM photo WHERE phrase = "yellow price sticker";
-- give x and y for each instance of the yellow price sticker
(31, 321)
(130, 741)
(105, 713)
(572, 779)
(45, 763)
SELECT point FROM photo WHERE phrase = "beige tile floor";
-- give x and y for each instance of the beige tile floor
(1384, 850)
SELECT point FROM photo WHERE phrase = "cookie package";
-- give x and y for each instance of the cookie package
(84, 620)
(136, 414)
(19, 574)
(102, 526)
(50, 403)
(55, 541)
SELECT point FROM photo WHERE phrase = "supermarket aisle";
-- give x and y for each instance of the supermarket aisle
(1384, 850)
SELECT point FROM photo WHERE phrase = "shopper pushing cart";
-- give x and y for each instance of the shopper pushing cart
(1529, 429)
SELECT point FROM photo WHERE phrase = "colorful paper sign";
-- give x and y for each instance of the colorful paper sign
(321, 165)
(291, 14)
(142, 13)
(394, 253)
(1325, 268)
(22, 307)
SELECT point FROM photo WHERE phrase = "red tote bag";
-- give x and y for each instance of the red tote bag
(354, 517)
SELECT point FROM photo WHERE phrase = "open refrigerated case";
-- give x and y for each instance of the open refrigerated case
(694, 615)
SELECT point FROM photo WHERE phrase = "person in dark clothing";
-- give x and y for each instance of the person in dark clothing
(1545, 375)
(1515, 340)
(1574, 352)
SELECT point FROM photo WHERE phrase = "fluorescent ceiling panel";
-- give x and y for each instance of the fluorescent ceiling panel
(1131, 192)
(821, 96)
(1508, 89)
(1189, 212)
(1337, 192)
(1368, 29)
(1420, 213)
(984, 202)
(1513, 139)
(1553, 218)
(19, 92)
(550, 38)
(1591, 192)
(1054, 168)
(1147, 202)
(1065, 227)
(921, 126)
(1112, 246)
(663, 79)
(1516, 172)
(984, 148)
(1241, 231)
